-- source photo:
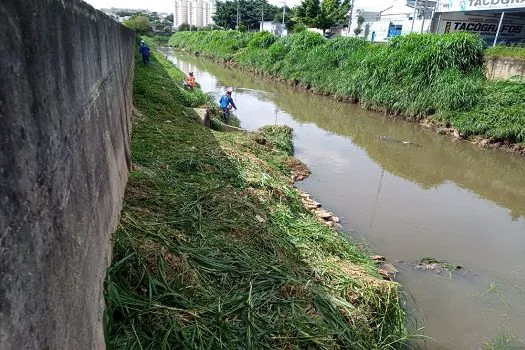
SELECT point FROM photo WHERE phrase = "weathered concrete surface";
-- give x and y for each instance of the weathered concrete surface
(501, 68)
(65, 108)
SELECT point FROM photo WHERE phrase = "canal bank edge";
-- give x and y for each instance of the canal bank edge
(428, 121)
(216, 248)
(441, 128)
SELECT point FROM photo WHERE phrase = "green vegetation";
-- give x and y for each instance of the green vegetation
(217, 121)
(416, 76)
(215, 249)
(154, 20)
(155, 41)
(321, 14)
(504, 340)
(250, 12)
(313, 13)
(140, 24)
(219, 44)
(185, 27)
(359, 29)
(278, 137)
(506, 51)
(499, 113)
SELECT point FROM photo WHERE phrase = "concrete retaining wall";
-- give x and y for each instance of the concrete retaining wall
(501, 68)
(65, 109)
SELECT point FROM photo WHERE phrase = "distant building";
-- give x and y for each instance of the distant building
(497, 21)
(396, 19)
(272, 27)
(198, 13)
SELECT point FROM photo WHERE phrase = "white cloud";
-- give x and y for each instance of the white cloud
(167, 5)
(152, 5)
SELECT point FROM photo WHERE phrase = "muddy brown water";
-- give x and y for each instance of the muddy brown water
(434, 198)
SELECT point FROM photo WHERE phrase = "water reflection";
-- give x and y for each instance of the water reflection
(446, 199)
(491, 174)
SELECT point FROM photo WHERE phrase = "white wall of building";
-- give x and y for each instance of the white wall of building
(274, 28)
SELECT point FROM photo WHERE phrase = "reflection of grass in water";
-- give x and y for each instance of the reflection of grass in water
(490, 175)
(504, 340)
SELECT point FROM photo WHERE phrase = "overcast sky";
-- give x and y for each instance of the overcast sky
(167, 5)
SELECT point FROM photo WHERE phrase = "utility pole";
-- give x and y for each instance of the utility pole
(413, 16)
(351, 13)
(237, 23)
(262, 17)
(284, 12)
(424, 13)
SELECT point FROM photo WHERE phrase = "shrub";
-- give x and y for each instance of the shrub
(262, 40)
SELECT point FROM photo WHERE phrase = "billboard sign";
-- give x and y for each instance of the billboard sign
(512, 30)
(478, 5)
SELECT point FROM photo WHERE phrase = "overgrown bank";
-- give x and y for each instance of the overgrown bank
(216, 250)
(439, 77)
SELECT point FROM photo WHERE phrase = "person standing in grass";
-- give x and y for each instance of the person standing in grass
(144, 51)
(190, 81)
(226, 103)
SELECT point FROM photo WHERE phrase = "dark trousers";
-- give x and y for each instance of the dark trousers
(145, 59)
(226, 115)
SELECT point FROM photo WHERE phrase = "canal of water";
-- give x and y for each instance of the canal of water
(432, 197)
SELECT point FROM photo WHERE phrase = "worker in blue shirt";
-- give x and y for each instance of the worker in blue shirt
(144, 51)
(226, 103)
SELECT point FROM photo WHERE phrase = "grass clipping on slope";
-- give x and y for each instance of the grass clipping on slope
(215, 249)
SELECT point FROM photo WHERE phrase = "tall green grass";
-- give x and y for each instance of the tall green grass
(221, 44)
(416, 76)
(216, 251)
(506, 52)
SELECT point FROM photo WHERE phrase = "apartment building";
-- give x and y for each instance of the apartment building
(198, 13)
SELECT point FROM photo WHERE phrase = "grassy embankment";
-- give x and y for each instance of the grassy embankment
(416, 76)
(506, 51)
(215, 249)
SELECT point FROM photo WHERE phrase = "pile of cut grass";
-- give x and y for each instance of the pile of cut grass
(276, 136)
(415, 76)
(216, 251)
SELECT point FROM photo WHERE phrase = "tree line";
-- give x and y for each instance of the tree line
(321, 14)
(144, 22)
